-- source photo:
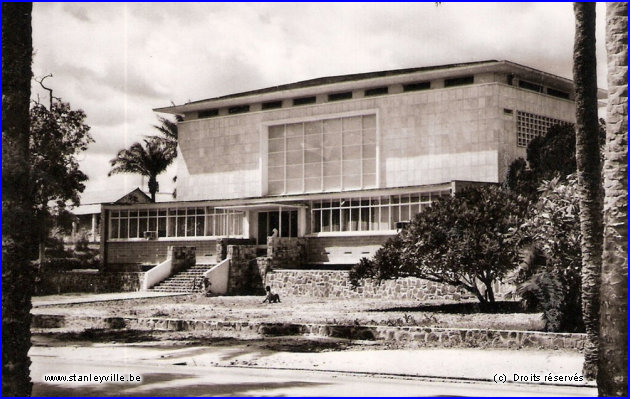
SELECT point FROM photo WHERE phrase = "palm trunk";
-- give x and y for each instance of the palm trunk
(153, 187)
(612, 379)
(17, 211)
(589, 175)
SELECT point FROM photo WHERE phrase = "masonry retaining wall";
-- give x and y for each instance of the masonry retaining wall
(334, 283)
(244, 277)
(50, 282)
(405, 336)
(286, 252)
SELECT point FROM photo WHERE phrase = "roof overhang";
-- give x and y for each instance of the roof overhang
(260, 207)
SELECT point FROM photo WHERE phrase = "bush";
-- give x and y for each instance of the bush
(550, 272)
(467, 240)
(62, 264)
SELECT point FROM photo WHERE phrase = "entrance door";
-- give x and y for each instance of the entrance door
(285, 222)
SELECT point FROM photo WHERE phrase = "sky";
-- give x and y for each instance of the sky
(118, 61)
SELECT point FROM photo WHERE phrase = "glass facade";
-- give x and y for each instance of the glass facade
(368, 213)
(322, 156)
(175, 222)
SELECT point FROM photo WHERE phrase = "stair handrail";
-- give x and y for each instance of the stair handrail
(217, 277)
(157, 274)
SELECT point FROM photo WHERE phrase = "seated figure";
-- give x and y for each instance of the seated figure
(271, 297)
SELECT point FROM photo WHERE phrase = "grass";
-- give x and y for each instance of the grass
(502, 315)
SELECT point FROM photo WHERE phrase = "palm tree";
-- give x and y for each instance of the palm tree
(589, 175)
(168, 131)
(149, 160)
(168, 128)
(612, 378)
(17, 212)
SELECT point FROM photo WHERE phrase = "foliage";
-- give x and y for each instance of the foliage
(152, 158)
(467, 240)
(167, 128)
(547, 156)
(148, 159)
(57, 136)
(550, 271)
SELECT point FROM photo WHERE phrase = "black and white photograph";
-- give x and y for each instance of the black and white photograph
(314, 199)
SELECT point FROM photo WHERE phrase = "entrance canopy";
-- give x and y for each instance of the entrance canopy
(262, 207)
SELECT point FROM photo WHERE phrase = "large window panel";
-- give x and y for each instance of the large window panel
(332, 154)
(313, 184)
(332, 125)
(313, 128)
(352, 152)
(332, 139)
(326, 155)
(313, 156)
(276, 145)
(352, 123)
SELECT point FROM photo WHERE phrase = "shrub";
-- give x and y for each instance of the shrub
(467, 240)
(550, 271)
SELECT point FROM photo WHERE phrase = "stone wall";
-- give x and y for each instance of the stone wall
(286, 252)
(49, 282)
(182, 258)
(223, 243)
(244, 277)
(409, 337)
(333, 283)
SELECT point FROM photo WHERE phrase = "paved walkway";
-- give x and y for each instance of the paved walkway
(72, 298)
(500, 368)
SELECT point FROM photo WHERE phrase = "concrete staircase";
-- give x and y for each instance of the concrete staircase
(187, 281)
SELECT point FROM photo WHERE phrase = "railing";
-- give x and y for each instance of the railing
(218, 277)
(157, 274)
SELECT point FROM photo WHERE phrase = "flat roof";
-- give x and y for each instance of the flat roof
(372, 79)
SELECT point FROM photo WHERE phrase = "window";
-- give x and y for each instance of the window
(368, 213)
(463, 80)
(239, 109)
(304, 100)
(523, 84)
(340, 96)
(208, 113)
(324, 155)
(272, 105)
(529, 126)
(557, 93)
(175, 222)
(376, 91)
(417, 86)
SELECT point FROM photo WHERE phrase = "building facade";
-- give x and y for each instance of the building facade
(338, 160)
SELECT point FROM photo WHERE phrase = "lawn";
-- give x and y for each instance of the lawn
(503, 316)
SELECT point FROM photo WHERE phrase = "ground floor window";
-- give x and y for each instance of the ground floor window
(368, 213)
(175, 222)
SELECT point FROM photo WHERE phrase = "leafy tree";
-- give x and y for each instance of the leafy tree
(57, 136)
(549, 272)
(17, 212)
(548, 156)
(149, 160)
(466, 240)
(612, 378)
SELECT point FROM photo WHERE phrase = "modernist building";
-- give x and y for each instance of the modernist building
(339, 160)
